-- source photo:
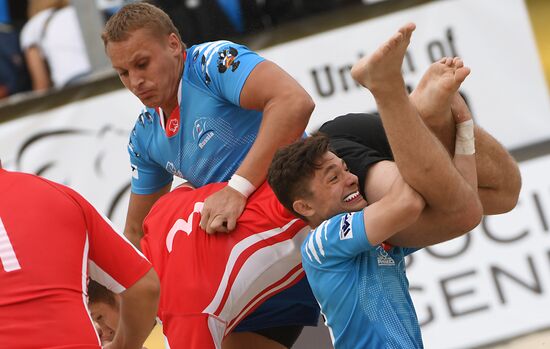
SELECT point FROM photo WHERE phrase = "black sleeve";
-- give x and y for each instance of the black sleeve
(360, 140)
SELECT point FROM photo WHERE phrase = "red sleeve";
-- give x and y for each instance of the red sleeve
(112, 260)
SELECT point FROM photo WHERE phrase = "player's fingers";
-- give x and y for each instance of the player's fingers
(231, 224)
(218, 224)
(205, 218)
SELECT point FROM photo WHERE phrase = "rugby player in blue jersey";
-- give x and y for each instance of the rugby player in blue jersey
(213, 112)
(354, 256)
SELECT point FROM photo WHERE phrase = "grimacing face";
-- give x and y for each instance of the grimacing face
(334, 190)
(106, 317)
(148, 66)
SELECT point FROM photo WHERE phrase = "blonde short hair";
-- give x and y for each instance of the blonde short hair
(136, 16)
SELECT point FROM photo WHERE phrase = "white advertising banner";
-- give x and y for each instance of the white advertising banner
(494, 283)
(82, 145)
(494, 37)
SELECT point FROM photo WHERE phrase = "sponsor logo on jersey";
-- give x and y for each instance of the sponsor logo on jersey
(384, 259)
(227, 59)
(202, 133)
(207, 136)
(173, 125)
(346, 230)
(135, 173)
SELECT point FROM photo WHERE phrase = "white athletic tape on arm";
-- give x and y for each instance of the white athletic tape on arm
(242, 185)
(465, 141)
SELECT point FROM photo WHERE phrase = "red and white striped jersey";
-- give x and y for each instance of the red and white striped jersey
(209, 283)
(51, 240)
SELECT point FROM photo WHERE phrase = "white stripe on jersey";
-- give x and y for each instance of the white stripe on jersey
(325, 224)
(217, 329)
(103, 278)
(234, 255)
(307, 252)
(319, 242)
(85, 284)
(292, 278)
(263, 268)
(312, 247)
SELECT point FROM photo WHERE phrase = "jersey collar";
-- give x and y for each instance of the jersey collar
(172, 125)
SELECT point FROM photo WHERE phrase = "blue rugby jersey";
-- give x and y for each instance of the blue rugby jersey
(214, 133)
(211, 137)
(362, 289)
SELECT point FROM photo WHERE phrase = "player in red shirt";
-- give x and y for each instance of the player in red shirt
(211, 282)
(51, 240)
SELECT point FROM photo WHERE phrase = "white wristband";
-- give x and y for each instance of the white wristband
(242, 185)
(465, 141)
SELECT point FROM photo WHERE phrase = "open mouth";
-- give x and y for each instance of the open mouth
(352, 197)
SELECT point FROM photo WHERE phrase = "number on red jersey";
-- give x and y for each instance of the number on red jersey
(7, 254)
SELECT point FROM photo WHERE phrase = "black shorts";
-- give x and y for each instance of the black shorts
(360, 140)
(284, 335)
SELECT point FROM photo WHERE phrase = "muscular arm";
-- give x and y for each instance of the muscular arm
(138, 208)
(432, 226)
(286, 110)
(138, 308)
(399, 208)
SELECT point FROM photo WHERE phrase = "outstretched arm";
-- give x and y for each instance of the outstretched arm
(286, 110)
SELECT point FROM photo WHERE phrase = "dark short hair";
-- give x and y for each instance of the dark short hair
(293, 167)
(136, 16)
(99, 293)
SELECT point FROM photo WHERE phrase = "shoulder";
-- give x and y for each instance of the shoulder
(30, 34)
(215, 57)
(54, 192)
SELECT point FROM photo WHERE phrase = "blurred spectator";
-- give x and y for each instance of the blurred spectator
(207, 20)
(53, 44)
(13, 73)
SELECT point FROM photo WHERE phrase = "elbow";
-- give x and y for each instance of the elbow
(511, 196)
(469, 217)
(414, 205)
(153, 287)
(301, 105)
(149, 287)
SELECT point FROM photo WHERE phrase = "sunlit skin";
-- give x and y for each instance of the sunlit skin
(149, 67)
(106, 316)
(334, 190)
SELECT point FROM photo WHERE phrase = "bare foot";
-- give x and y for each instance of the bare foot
(381, 71)
(432, 97)
(460, 110)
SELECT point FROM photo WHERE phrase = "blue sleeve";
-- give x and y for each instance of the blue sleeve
(340, 238)
(228, 65)
(147, 176)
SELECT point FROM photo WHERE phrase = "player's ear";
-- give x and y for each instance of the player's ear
(303, 208)
(174, 43)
